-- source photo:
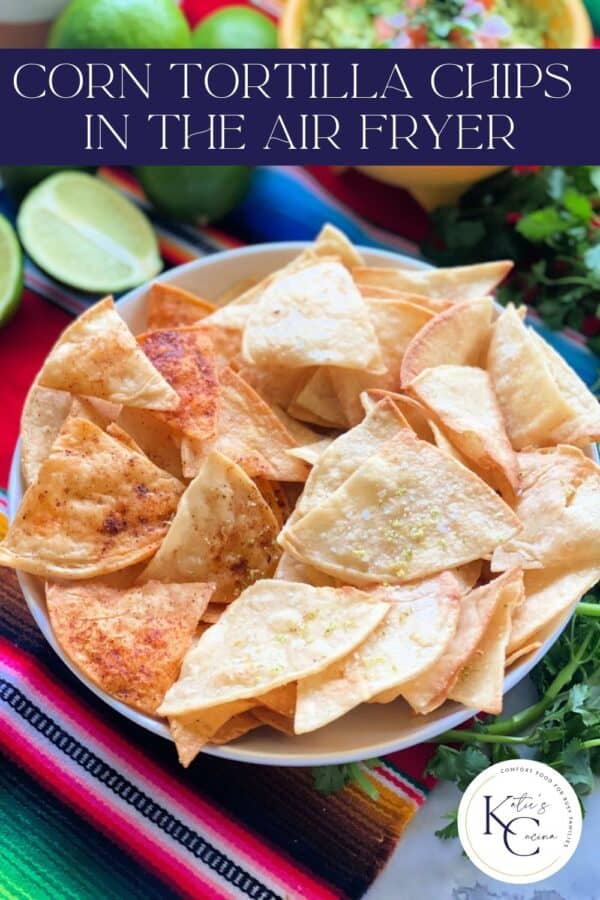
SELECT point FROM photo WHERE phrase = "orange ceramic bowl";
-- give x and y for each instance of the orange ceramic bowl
(570, 27)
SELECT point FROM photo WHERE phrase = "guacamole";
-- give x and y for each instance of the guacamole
(406, 24)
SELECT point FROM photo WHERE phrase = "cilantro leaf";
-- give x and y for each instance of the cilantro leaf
(450, 830)
(460, 766)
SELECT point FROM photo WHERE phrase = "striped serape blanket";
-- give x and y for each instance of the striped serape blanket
(94, 806)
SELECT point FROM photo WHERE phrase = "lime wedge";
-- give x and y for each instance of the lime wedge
(11, 271)
(83, 232)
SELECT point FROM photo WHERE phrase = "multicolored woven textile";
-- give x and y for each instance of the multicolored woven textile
(93, 806)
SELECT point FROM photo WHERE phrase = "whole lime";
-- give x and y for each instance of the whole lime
(19, 179)
(194, 193)
(120, 25)
(235, 28)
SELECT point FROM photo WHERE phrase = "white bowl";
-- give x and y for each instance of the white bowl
(371, 729)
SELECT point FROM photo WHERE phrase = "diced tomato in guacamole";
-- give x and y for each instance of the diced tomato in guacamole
(411, 24)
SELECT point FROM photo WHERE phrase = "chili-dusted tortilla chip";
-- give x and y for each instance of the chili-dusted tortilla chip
(223, 533)
(128, 642)
(312, 318)
(155, 437)
(96, 507)
(349, 451)
(409, 511)
(296, 630)
(583, 427)
(480, 682)
(455, 285)
(317, 401)
(412, 411)
(170, 306)
(291, 569)
(415, 632)
(457, 336)
(462, 402)
(530, 400)
(396, 323)
(549, 593)
(250, 434)
(98, 356)
(476, 610)
(559, 506)
(185, 357)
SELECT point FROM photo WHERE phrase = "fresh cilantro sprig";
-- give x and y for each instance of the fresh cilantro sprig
(548, 222)
(331, 779)
(562, 728)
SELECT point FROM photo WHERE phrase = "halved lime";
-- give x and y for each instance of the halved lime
(11, 271)
(84, 233)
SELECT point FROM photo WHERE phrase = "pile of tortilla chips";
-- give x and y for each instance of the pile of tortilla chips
(344, 485)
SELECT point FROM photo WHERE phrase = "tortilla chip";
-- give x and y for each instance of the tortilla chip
(318, 402)
(284, 724)
(44, 412)
(469, 574)
(442, 443)
(454, 285)
(480, 683)
(297, 630)
(549, 593)
(213, 613)
(185, 357)
(583, 427)
(396, 323)
(462, 402)
(310, 453)
(236, 728)
(291, 569)
(281, 700)
(301, 433)
(409, 511)
(519, 654)
(123, 437)
(100, 412)
(477, 608)
(128, 642)
(170, 306)
(349, 451)
(223, 533)
(457, 336)
(249, 434)
(277, 385)
(411, 638)
(235, 290)
(559, 506)
(192, 733)
(312, 318)
(96, 507)
(226, 342)
(276, 498)
(530, 400)
(412, 411)
(157, 439)
(98, 356)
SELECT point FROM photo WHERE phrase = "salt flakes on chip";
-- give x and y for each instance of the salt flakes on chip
(409, 511)
(128, 642)
(296, 630)
(98, 356)
(413, 635)
(315, 317)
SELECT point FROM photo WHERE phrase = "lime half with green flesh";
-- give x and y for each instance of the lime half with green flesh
(84, 233)
(11, 271)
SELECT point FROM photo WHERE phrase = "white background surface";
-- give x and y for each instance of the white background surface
(424, 867)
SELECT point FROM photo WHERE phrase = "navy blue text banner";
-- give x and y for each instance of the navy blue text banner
(374, 107)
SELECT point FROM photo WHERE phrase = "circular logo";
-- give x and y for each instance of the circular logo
(519, 821)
